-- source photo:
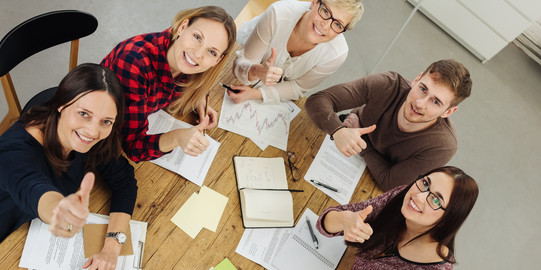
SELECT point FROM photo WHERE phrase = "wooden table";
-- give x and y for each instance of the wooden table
(161, 193)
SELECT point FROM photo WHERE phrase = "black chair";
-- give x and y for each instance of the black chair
(35, 35)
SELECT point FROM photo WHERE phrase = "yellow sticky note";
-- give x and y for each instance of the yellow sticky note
(187, 216)
(225, 265)
(211, 206)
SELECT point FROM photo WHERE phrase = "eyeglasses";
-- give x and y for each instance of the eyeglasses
(326, 14)
(431, 198)
(291, 159)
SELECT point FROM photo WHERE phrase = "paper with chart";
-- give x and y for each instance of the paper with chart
(336, 170)
(43, 250)
(194, 169)
(299, 252)
(263, 124)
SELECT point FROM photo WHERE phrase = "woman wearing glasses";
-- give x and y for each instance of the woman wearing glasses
(408, 227)
(292, 47)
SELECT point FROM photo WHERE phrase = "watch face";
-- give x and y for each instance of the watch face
(121, 238)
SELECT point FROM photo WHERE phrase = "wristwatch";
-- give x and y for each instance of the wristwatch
(120, 237)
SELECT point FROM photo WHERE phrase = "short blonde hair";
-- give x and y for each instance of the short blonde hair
(353, 7)
(199, 84)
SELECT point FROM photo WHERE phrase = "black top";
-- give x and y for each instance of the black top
(26, 174)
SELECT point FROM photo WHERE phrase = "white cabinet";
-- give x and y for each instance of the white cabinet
(484, 27)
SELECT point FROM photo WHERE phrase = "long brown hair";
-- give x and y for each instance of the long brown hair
(84, 79)
(199, 84)
(390, 224)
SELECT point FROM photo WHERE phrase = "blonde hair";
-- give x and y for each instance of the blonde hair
(198, 84)
(353, 7)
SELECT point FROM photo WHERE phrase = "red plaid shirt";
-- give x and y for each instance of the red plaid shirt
(141, 64)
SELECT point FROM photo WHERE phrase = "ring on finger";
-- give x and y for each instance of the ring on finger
(69, 228)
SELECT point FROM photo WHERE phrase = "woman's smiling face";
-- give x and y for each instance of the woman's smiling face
(86, 121)
(415, 207)
(199, 46)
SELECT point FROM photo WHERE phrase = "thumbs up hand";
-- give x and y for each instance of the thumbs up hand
(268, 73)
(69, 215)
(355, 229)
(349, 141)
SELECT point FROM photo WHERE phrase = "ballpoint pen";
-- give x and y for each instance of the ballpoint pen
(275, 189)
(316, 243)
(229, 88)
(317, 183)
(206, 110)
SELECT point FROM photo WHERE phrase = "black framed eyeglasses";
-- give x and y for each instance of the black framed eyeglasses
(432, 199)
(291, 159)
(326, 14)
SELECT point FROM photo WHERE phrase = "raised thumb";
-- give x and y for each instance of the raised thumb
(86, 187)
(365, 212)
(367, 130)
(272, 57)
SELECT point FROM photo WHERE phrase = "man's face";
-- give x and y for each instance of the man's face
(427, 100)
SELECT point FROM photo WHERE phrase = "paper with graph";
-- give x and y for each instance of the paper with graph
(264, 124)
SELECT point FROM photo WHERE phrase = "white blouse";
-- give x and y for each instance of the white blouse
(301, 73)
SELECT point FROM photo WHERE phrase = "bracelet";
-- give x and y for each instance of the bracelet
(337, 129)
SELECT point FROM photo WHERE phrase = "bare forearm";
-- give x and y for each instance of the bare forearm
(333, 222)
(47, 203)
(169, 140)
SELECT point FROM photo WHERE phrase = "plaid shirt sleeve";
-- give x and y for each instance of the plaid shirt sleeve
(133, 72)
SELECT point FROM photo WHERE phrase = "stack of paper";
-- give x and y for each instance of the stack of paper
(264, 124)
(43, 250)
(202, 210)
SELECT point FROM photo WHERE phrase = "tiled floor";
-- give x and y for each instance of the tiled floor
(499, 126)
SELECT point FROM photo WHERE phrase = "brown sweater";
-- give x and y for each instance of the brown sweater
(393, 157)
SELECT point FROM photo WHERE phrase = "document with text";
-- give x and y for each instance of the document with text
(332, 168)
(43, 250)
(194, 169)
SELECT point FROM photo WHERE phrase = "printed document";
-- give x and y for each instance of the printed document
(43, 250)
(336, 170)
(194, 169)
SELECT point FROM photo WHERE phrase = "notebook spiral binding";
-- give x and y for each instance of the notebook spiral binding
(314, 252)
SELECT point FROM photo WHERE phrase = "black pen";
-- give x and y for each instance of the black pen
(275, 189)
(317, 183)
(316, 243)
(229, 88)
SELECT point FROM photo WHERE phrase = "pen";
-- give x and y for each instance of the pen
(229, 88)
(206, 110)
(312, 233)
(317, 183)
(270, 189)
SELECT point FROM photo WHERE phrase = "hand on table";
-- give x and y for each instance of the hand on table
(107, 258)
(69, 215)
(349, 141)
(191, 140)
(211, 116)
(245, 93)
